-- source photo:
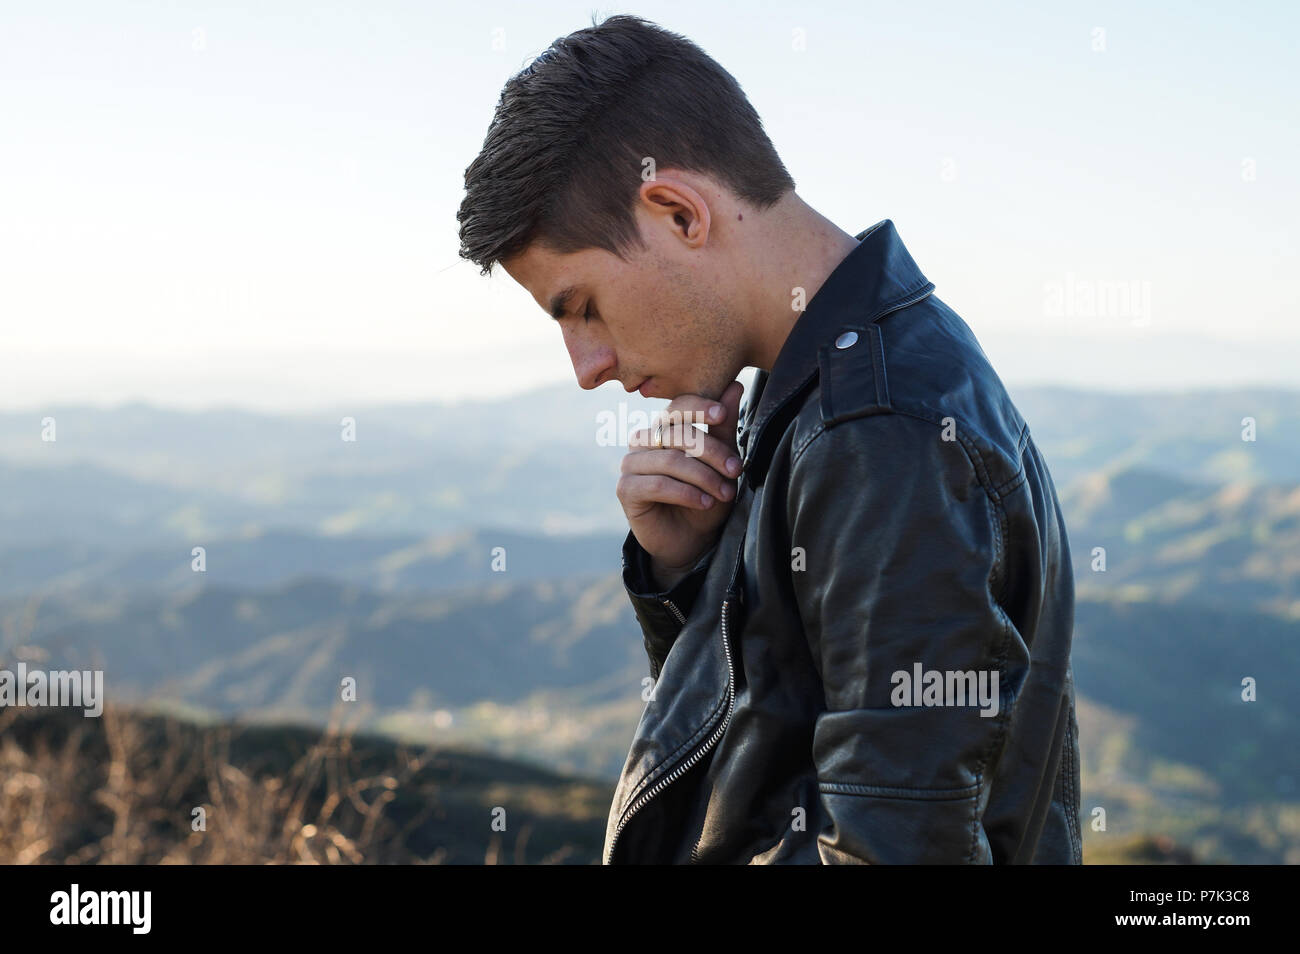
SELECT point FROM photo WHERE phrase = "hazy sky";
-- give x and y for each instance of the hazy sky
(209, 205)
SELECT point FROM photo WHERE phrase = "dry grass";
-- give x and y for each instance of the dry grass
(126, 791)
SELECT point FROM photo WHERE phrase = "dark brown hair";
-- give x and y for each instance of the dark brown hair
(562, 159)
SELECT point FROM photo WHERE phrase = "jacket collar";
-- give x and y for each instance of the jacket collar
(874, 279)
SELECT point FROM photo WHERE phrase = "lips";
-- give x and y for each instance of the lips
(641, 388)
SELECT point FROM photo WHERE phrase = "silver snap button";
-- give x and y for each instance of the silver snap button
(847, 340)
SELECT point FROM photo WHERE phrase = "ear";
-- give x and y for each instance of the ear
(674, 204)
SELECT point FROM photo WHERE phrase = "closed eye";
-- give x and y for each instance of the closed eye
(586, 314)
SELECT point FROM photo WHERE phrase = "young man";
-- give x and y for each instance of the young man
(858, 612)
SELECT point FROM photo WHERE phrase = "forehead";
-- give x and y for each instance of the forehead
(554, 279)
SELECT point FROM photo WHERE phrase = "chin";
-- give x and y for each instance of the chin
(714, 392)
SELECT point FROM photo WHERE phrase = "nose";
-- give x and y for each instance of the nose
(592, 360)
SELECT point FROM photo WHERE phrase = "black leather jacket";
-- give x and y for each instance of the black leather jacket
(893, 518)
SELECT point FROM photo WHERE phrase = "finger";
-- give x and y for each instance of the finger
(693, 442)
(678, 427)
(684, 411)
(638, 492)
(697, 409)
(681, 467)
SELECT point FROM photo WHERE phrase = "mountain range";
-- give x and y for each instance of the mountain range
(461, 564)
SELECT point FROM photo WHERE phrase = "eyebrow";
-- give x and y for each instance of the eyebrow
(560, 302)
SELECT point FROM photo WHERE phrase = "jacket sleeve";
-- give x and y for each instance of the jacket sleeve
(903, 553)
(661, 613)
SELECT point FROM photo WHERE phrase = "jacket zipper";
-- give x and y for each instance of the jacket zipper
(699, 753)
(675, 611)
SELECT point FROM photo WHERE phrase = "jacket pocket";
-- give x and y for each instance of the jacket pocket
(892, 796)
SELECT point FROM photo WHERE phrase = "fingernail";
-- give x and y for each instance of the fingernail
(733, 465)
(706, 499)
(715, 412)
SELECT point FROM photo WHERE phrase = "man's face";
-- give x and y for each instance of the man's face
(662, 315)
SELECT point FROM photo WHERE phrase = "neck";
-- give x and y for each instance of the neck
(793, 246)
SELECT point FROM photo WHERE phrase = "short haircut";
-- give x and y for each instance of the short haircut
(562, 159)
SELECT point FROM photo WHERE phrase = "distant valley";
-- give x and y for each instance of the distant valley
(462, 564)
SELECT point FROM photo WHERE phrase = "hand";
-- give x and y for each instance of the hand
(678, 497)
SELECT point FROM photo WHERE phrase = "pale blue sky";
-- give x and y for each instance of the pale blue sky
(207, 205)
